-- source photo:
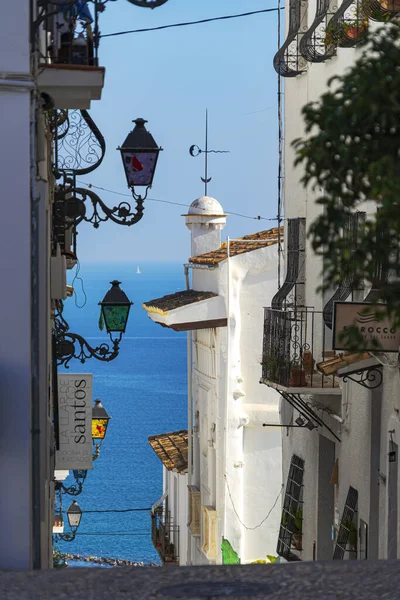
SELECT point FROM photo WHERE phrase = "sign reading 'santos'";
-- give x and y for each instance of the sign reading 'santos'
(75, 421)
(354, 314)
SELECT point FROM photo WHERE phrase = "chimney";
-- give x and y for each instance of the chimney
(205, 219)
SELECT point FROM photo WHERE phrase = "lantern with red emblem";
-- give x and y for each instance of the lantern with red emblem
(139, 156)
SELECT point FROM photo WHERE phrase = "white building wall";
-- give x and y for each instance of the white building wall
(227, 394)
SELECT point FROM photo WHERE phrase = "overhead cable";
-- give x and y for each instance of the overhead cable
(97, 187)
(201, 21)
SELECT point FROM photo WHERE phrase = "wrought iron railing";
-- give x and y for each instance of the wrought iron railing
(348, 25)
(291, 292)
(351, 235)
(288, 61)
(294, 342)
(313, 46)
(67, 31)
(382, 10)
(165, 537)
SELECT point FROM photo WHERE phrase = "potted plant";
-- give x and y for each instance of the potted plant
(297, 539)
(271, 367)
(356, 29)
(297, 374)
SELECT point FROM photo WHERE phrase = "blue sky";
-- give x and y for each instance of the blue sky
(170, 77)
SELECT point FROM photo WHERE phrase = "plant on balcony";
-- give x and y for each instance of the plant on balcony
(297, 376)
(270, 366)
(351, 152)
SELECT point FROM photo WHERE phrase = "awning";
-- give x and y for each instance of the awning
(172, 449)
(188, 310)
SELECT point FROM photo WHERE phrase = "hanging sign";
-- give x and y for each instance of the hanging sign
(355, 314)
(75, 421)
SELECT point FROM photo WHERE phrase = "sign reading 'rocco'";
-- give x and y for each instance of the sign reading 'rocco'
(354, 314)
(75, 421)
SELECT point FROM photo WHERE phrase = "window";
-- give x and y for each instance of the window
(291, 528)
(347, 536)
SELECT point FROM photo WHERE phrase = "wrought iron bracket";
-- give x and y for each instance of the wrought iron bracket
(70, 345)
(148, 3)
(73, 490)
(370, 378)
(65, 537)
(73, 204)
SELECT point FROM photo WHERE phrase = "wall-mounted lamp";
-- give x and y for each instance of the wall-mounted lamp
(392, 448)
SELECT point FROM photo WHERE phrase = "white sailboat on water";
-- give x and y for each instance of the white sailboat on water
(138, 271)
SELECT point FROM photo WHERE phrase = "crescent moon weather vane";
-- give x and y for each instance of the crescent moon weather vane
(195, 151)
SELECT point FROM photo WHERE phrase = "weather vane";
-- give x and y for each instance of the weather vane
(195, 151)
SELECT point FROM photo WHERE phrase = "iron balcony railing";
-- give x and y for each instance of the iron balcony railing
(68, 32)
(165, 537)
(294, 342)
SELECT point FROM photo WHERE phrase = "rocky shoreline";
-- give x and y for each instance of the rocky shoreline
(102, 560)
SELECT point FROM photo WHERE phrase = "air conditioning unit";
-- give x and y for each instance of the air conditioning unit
(210, 521)
(58, 276)
(194, 509)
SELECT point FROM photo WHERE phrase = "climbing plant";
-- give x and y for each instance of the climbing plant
(351, 153)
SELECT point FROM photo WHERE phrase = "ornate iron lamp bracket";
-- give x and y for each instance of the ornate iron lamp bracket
(72, 345)
(122, 214)
(369, 378)
(72, 490)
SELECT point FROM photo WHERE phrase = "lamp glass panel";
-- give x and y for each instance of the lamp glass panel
(115, 317)
(99, 428)
(139, 167)
(74, 518)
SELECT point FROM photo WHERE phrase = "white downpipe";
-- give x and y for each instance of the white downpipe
(227, 386)
(190, 421)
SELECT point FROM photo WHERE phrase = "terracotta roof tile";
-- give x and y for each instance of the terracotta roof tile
(268, 237)
(171, 449)
(340, 361)
(177, 300)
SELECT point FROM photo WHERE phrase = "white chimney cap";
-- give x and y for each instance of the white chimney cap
(205, 205)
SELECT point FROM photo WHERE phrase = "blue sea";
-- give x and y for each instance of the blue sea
(145, 391)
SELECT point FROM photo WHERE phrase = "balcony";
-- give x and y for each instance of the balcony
(67, 40)
(294, 342)
(165, 537)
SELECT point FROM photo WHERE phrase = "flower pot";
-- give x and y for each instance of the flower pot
(297, 377)
(356, 31)
(392, 5)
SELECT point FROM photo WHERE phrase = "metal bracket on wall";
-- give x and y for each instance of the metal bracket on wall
(370, 378)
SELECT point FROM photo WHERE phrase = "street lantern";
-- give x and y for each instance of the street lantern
(74, 514)
(115, 308)
(139, 154)
(100, 419)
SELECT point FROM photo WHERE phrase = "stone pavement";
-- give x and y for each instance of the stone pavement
(336, 580)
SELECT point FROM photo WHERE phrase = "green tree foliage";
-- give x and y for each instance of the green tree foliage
(351, 154)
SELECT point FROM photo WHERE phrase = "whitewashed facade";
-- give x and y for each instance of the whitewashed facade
(234, 466)
(347, 499)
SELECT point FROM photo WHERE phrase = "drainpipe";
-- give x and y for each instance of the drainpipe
(35, 351)
(190, 421)
(227, 386)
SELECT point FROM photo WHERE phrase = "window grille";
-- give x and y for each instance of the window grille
(347, 535)
(288, 61)
(291, 527)
(351, 234)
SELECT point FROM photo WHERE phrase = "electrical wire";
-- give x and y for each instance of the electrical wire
(210, 20)
(121, 510)
(97, 187)
(264, 519)
(76, 278)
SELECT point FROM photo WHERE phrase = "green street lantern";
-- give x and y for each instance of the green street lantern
(139, 154)
(115, 308)
(74, 514)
